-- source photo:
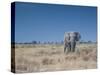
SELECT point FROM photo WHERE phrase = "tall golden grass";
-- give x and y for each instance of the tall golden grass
(39, 58)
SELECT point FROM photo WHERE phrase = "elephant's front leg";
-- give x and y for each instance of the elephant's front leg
(67, 48)
(73, 45)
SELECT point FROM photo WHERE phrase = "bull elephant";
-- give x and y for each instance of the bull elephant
(70, 40)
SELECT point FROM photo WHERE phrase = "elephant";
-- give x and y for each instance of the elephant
(70, 40)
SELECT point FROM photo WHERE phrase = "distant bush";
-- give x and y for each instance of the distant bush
(47, 61)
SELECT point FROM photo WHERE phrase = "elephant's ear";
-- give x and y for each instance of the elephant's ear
(78, 36)
(66, 36)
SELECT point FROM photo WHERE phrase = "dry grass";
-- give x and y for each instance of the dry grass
(37, 58)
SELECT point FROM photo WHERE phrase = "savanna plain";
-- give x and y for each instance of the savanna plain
(51, 57)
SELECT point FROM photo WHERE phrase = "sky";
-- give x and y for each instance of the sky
(49, 22)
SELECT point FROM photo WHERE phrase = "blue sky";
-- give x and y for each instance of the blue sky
(48, 22)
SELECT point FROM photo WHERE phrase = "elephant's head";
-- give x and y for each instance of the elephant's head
(75, 36)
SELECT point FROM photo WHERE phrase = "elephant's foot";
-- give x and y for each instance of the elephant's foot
(67, 51)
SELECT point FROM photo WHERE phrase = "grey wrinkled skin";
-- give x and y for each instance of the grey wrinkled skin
(70, 40)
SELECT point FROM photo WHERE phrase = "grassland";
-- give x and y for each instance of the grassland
(39, 58)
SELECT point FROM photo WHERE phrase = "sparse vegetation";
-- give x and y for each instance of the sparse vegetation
(50, 57)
